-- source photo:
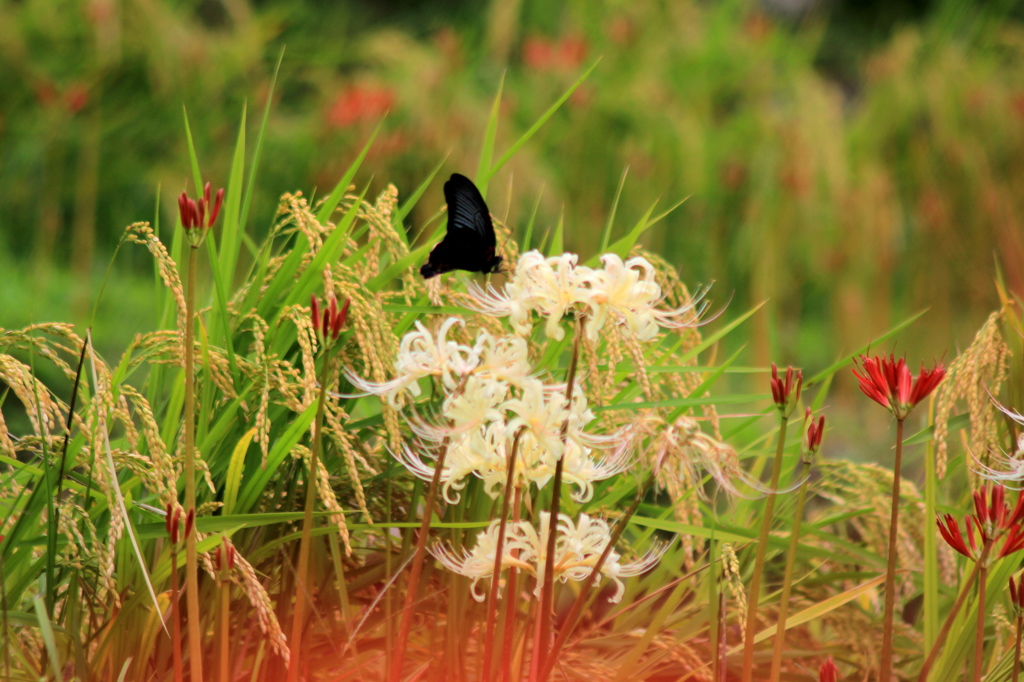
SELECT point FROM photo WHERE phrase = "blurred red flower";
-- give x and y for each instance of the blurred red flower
(359, 103)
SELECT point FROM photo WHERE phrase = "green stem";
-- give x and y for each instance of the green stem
(492, 595)
(961, 598)
(762, 549)
(979, 636)
(299, 618)
(195, 644)
(543, 626)
(787, 583)
(890, 571)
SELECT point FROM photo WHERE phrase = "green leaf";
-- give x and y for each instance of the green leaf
(327, 208)
(235, 466)
(606, 236)
(229, 239)
(839, 364)
(487, 148)
(533, 218)
(537, 125)
(46, 630)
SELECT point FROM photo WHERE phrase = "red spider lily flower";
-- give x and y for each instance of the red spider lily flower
(173, 523)
(814, 433)
(889, 383)
(1014, 541)
(1017, 596)
(828, 671)
(950, 531)
(190, 522)
(782, 390)
(224, 560)
(992, 519)
(198, 216)
(328, 323)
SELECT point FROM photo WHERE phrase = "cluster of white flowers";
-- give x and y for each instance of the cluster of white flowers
(492, 397)
(422, 355)
(480, 422)
(619, 292)
(577, 548)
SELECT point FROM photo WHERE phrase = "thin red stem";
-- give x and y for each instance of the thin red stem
(511, 601)
(543, 627)
(890, 573)
(979, 636)
(492, 595)
(179, 671)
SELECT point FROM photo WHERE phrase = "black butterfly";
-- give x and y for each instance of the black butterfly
(469, 243)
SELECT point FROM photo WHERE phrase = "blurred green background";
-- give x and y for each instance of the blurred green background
(850, 162)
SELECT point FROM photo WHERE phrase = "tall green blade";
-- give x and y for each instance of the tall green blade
(487, 148)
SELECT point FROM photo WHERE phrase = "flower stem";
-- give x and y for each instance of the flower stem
(762, 549)
(179, 672)
(299, 616)
(401, 642)
(581, 599)
(890, 571)
(787, 583)
(543, 626)
(1016, 649)
(979, 636)
(195, 644)
(957, 605)
(510, 604)
(225, 642)
(492, 595)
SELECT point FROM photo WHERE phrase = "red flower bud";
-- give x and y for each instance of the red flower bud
(314, 313)
(828, 671)
(190, 522)
(782, 389)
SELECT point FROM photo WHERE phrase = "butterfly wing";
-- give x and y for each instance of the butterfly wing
(467, 210)
(469, 243)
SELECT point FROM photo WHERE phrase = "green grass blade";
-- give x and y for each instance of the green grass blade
(839, 364)
(197, 176)
(46, 630)
(235, 467)
(327, 209)
(117, 492)
(528, 237)
(229, 240)
(413, 199)
(243, 218)
(537, 125)
(557, 247)
(606, 236)
(487, 148)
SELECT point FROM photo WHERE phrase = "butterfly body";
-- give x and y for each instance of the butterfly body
(469, 244)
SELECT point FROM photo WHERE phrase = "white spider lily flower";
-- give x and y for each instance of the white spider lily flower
(478, 563)
(542, 414)
(505, 358)
(578, 547)
(1009, 467)
(551, 287)
(628, 292)
(421, 355)
(622, 292)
